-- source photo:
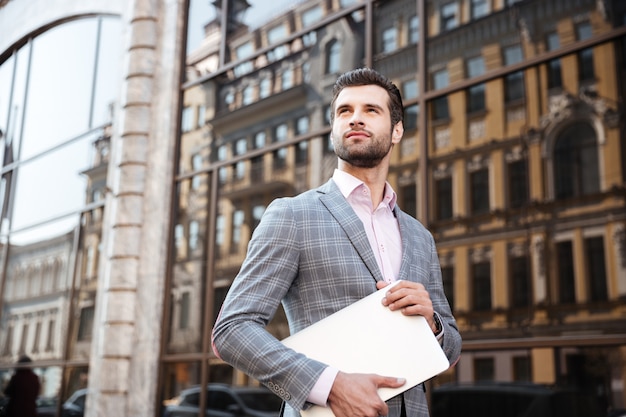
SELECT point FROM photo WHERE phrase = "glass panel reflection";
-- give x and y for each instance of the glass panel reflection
(75, 391)
(50, 385)
(86, 286)
(107, 77)
(180, 388)
(11, 121)
(62, 66)
(61, 190)
(36, 292)
(187, 296)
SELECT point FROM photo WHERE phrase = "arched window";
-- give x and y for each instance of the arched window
(576, 162)
(333, 57)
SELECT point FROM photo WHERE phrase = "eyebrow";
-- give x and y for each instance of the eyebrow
(367, 105)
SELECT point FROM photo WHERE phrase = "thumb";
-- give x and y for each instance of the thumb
(390, 382)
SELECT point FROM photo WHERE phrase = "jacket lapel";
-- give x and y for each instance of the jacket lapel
(406, 243)
(342, 212)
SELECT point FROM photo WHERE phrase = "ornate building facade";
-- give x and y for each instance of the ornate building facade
(513, 156)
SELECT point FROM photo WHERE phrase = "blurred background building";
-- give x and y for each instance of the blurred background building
(143, 140)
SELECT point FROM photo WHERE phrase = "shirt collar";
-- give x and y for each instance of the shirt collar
(348, 183)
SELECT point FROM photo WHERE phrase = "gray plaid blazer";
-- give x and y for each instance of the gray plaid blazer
(311, 253)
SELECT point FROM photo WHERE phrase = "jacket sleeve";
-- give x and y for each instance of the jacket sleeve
(239, 335)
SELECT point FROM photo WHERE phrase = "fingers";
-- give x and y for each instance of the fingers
(411, 298)
(356, 394)
(390, 382)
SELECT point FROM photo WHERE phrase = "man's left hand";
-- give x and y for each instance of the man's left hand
(411, 298)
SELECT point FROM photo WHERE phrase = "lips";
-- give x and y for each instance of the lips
(357, 133)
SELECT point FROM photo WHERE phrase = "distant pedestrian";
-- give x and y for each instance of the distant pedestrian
(23, 390)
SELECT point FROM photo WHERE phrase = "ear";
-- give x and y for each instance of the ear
(397, 132)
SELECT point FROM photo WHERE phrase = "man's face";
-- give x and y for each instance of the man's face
(362, 133)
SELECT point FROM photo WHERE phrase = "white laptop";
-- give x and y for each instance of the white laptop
(367, 337)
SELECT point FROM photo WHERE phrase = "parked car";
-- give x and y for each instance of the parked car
(74, 406)
(512, 399)
(46, 407)
(225, 401)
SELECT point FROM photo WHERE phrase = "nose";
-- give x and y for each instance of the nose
(356, 119)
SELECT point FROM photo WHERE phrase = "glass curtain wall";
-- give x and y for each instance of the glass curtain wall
(55, 115)
(477, 165)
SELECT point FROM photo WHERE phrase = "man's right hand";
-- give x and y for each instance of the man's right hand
(356, 395)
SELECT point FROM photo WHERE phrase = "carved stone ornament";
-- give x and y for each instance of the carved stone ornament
(564, 106)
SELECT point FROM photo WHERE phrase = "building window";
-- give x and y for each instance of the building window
(265, 87)
(51, 334)
(411, 115)
(187, 119)
(279, 158)
(196, 164)
(521, 369)
(484, 369)
(247, 95)
(440, 104)
(179, 237)
(479, 189)
(185, 304)
(481, 288)
(85, 327)
(585, 57)
(475, 93)
(280, 133)
(241, 146)
(244, 51)
(554, 66)
(220, 230)
(520, 281)
(276, 34)
(514, 83)
(518, 183)
(287, 79)
(449, 16)
(259, 140)
(201, 116)
(237, 231)
(257, 213)
(8, 344)
(408, 194)
(194, 230)
(410, 89)
(312, 16)
(447, 276)
(565, 261)
(302, 152)
(480, 8)
(24, 340)
(37, 338)
(302, 125)
(414, 30)
(576, 171)
(390, 40)
(443, 190)
(596, 268)
(333, 57)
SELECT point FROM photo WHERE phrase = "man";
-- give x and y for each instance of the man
(328, 248)
(22, 390)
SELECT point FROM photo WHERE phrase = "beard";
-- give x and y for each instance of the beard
(364, 154)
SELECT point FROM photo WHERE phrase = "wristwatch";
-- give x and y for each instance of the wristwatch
(438, 326)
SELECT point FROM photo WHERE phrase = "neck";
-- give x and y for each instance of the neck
(375, 178)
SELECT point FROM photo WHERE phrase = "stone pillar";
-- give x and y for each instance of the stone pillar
(124, 365)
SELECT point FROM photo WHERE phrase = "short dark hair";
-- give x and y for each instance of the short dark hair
(368, 76)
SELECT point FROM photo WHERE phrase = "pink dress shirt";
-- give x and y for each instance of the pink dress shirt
(383, 233)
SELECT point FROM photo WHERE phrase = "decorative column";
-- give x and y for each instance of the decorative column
(124, 365)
